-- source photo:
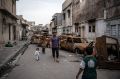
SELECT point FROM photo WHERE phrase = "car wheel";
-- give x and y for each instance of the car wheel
(77, 51)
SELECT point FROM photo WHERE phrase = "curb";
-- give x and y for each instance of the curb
(21, 50)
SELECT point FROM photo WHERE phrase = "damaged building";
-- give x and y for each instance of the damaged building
(94, 18)
(8, 21)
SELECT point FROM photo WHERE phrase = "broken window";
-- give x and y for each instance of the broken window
(77, 40)
(113, 30)
(64, 16)
(90, 29)
(119, 30)
(68, 13)
(112, 52)
(93, 29)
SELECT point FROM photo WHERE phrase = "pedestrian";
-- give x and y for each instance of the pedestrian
(37, 54)
(88, 66)
(43, 45)
(55, 46)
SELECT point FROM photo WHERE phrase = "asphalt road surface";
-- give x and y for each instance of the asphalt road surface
(46, 68)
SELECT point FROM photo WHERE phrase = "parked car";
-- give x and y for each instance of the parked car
(74, 44)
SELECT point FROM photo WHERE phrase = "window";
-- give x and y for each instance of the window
(76, 28)
(64, 16)
(69, 40)
(90, 29)
(68, 13)
(77, 40)
(113, 30)
(119, 30)
(93, 29)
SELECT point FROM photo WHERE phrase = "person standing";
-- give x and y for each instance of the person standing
(88, 66)
(55, 46)
(43, 44)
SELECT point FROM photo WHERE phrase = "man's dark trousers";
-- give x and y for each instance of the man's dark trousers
(55, 52)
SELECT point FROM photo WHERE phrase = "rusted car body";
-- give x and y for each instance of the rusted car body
(74, 44)
(35, 39)
(48, 39)
(108, 52)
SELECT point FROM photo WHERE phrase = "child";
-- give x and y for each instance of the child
(37, 54)
(88, 66)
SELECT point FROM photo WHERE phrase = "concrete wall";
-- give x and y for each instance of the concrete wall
(76, 11)
(100, 27)
(9, 5)
(67, 22)
(113, 28)
(7, 23)
(1, 36)
(59, 30)
(66, 4)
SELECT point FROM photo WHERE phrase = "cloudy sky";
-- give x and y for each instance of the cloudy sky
(40, 11)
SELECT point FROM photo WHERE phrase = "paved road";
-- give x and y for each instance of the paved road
(46, 68)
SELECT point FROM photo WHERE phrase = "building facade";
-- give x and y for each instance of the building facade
(23, 28)
(67, 17)
(112, 16)
(76, 18)
(88, 18)
(97, 18)
(57, 23)
(8, 21)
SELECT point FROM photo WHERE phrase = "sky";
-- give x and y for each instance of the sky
(40, 11)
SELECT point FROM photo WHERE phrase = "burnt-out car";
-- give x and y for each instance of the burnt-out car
(74, 44)
(108, 54)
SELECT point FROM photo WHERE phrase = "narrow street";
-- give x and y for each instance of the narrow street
(72, 25)
(46, 68)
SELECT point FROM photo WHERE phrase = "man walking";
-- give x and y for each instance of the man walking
(55, 47)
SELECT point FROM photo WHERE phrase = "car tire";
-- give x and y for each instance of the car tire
(77, 51)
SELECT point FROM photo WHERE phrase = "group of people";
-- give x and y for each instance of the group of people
(88, 64)
(54, 45)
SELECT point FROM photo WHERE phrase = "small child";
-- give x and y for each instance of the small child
(88, 66)
(37, 54)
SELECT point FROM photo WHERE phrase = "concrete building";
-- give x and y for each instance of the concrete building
(23, 28)
(67, 17)
(51, 27)
(57, 23)
(88, 18)
(75, 17)
(31, 24)
(37, 29)
(112, 18)
(8, 21)
(94, 18)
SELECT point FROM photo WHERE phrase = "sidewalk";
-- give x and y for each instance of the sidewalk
(7, 53)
